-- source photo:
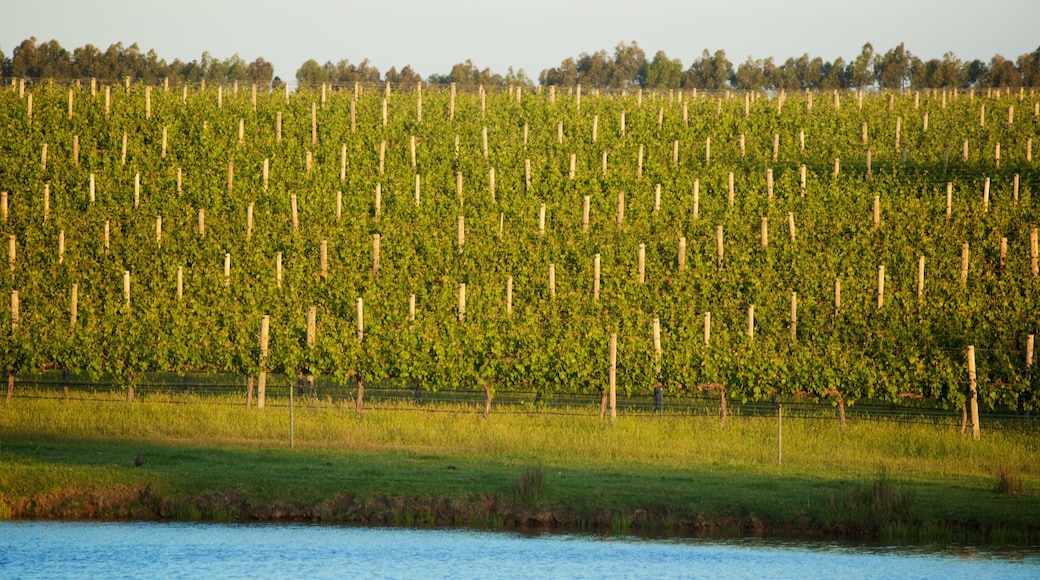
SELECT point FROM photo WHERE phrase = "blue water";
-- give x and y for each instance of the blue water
(179, 550)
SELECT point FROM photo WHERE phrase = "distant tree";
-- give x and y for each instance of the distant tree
(344, 72)
(311, 73)
(518, 78)
(835, 75)
(629, 62)
(1001, 73)
(565, 75)
(1029, 68)
(260, 71)
(975, 73)
(750, 76)
(406, 78)
(805, 72)
(893, 69)
(662, 72)
(236, 69)
(860, 72)
(594, 69)
(710, 71)
(88, 61)
(948, 72)
(469, 76)
(47, 60)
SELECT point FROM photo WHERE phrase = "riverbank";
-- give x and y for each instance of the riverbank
(451, 467)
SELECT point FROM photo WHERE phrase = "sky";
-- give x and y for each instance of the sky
(532, 35)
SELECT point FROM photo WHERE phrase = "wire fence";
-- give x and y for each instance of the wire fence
(232, 390)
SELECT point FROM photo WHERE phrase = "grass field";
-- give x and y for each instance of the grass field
(439, 464)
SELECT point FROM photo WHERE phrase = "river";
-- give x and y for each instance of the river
(199, 550)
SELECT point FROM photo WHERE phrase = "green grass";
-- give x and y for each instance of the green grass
(213, 459)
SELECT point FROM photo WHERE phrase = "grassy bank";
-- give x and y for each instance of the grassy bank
(447, 465)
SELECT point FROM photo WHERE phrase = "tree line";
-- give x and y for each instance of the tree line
(37, 60)
(627, 67)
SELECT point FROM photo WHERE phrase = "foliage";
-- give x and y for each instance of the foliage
(551, 342)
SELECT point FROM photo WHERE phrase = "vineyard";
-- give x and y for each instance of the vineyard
(837, 246)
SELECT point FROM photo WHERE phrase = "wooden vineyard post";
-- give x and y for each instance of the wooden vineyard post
(552, 280)
(180, 282)
(769, 183)
(227, 270)
(278, 127)
(158, 231)
(801, 180)
(411, 307)
(877, 211)
(920, 280)
(323, 260)
(718, 246)
(202, 223)
(1014, 190)
(267, 172)
(541, 220)
(12, 250)
(613, 378)
(509, 296)
(375, 253)
(707, 328)
(417, 190)
(973, 401)
(15, 311)
(658, 390)
(261, 386)
(682, 254)
(794, 316)
(585, 211)
(730, 194)
(1003, 253)
(641, 263)
(360, 305)
(249, 222)
(696, 198)
(657, 199)
(295, 214)
(880, 287)
(964, 263)
(1029, 357)
(707, 150)
(949, 198)
(620, 207)
(461, 233)
(1033, 255)
(74, 305)
(595, 276)
(751, 322)
(126, 288)
(765, 232)
(278, 269)
(985, 196)
(462, 302)
(790, 226)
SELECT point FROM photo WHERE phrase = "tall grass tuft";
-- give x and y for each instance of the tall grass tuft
(528, 488)
(1009, 482)
(882, 500)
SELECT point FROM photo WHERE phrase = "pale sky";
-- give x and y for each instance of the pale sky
(532, 35)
